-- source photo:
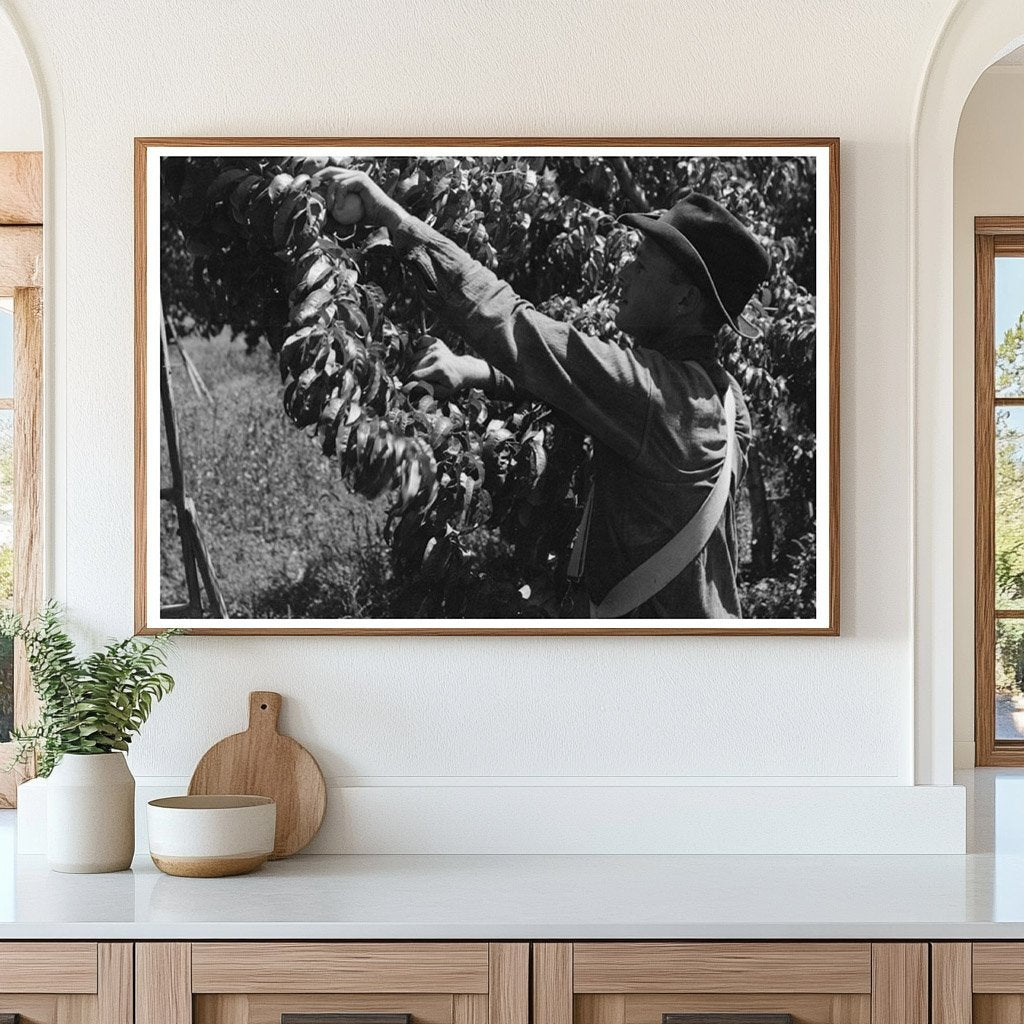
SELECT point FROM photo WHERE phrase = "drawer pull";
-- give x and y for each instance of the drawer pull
(340, 1018)
(727, 1018)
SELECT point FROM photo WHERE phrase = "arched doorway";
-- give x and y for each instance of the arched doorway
(976, 34)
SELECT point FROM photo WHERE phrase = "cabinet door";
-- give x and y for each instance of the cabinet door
(66, 982)
(332, 983)
(730, 983)
(980, 982)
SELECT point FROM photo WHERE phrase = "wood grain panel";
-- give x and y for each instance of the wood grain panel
(228, 1009)
(599, 1009)
(267, 1009)
(552, 983)
(951, 983)
(899, 990)
(115, 983)
(998, 1009)
(76, 1009)
(998, 967)
(508, 991)
(28, 483)
(1010, 244)
(851, 1009)
(984, 501)
(21, 188)
(33, 1009)
(805, 1008)
(163, 983)
(339, 967)
(65, 967)
(998, 225)
(21, 259)
(468, 1009)
(28, 488)
(633, 967)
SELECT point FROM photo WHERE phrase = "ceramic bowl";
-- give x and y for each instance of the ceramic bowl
(211, 836)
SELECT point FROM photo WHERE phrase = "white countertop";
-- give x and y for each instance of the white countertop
(979, 895)
(541, 897)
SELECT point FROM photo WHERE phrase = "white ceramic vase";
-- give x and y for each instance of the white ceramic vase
(90, 814)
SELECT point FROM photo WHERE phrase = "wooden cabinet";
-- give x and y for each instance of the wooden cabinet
(979, 982)
(753, 982)
(307, 982)
(66, 982)
(512, 983)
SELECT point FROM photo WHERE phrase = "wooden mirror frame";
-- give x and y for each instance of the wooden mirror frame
(21, 278)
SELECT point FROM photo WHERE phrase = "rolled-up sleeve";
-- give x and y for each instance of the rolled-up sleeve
(602, 386)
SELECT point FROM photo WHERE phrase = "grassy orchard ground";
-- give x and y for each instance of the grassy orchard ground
(286, 537)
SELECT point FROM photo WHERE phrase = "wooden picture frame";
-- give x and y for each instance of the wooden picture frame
(150, 611)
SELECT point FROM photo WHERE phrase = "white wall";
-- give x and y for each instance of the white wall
(987, 182)
(21, 127)
(466, 711)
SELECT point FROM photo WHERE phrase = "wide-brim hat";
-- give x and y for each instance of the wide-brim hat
(725, 259)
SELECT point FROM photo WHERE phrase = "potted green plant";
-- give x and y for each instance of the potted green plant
(90, 708)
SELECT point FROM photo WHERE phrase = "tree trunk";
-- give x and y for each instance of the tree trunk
(762, 556)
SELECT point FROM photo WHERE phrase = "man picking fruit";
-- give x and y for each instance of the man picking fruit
(670, 426)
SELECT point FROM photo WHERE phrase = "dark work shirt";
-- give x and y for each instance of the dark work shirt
(657, 421)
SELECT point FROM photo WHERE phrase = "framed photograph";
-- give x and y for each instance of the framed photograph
(500, 386)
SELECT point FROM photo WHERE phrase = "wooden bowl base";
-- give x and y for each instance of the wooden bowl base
(209, 867)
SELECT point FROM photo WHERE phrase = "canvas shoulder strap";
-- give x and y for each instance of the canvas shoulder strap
(669, 561)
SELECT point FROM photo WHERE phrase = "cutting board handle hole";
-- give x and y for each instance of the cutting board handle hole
(263, 707)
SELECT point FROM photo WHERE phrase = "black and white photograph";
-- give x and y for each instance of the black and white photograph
(455, 386)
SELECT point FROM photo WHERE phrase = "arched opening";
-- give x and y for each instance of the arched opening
(976, 35)
(986, 420)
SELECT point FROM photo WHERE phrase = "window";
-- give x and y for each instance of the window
(21, 319)
(999, 490)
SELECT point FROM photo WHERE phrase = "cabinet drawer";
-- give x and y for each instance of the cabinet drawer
(730, 983)
(998, 968)
(747, 967)
(66, 967)
(332, 983)
(66, 982)
(340, 967)
(642, 982)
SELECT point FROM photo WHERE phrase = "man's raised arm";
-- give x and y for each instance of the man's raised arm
(605, 388)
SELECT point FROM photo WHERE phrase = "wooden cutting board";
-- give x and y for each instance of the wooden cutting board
(262, 762)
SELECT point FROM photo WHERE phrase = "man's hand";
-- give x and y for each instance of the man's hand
(436, 364)
(378, 206)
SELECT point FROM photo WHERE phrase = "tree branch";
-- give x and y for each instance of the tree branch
(627, 183)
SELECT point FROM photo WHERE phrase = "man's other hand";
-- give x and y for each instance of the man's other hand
(434, 363)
